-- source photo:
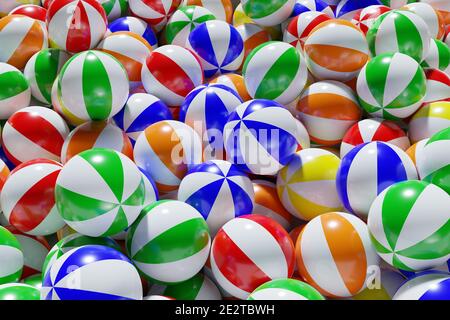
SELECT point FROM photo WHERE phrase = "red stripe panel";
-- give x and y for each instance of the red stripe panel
(55, 7)
(156, 5)
(292, 27)
(437, 75)
(388, 131)
(79, 36)
(314, 23)
(353, 136)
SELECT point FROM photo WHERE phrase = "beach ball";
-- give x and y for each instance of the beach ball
(28, 200)
(368, 169)
(334, 254)
(285, 289)
(219, 47)
(438, 56)
(300, 27)
(183, 21)
(15, 92)
(307, 184)
(169, 242)
(101, 134)
(336, 50)
(382, 285)
(135, 25)
(328, 109)
(442, 6)
(346, 9)
(22, 38)
(428, 286)
(435, 166)
(366, 17)
(154, 12)
(33, 11)
(253, 36)
(114, 8)
(120, 281)
(219, 191)
(240, 267)
(438, 86)
(166, 150)
(170, 73)
(233, 81)
(34, 132)
(276, 71)
(432, 17)
(85, 100)
(267, 203)
(141, 111)
(302, 6)
(199, 287)
(206, 109)
(399, 31)
(409, 223)
(268, 13)
(260, 136)
(428, 120)
(391, 86)
(7, 5)
(221, 9)
(130, 50)
(41, 71)
(76, 25)
(19, 291)
(11, 257)
(70, 242)
(99, 192)
(369, 130)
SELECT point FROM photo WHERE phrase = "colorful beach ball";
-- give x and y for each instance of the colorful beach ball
(85, 100)
(99, 192)
(260, 136)
(276, 71)
(206, 109)
(114, 8)
(135, 25)
(199, 287)
(219, 191)
(285, 289)
(399, 31)
(22, 38)
(365, 18)
(428, 286)
(346, 9)
(7, 5)
(130, 50)
(334, 254)
(170, 73)
(101, 134)
(435, 163)
(218, 45)
(183, 21)
(336, 50)
(367, 170)
(369, 130)
(300, 27)
(253, 36)
(19, 291)
(268, 13)
(41, 71)
(11, 257)
(391, 86)
(155, 12)
(151, 246)
(233, 81)
(240, 268)
(28, 200)
(76, 25)
(302, 6)
(141, 111)
(428, 120)
(34, 132)
(120, 282)
(431, 16)
(221, 9)
(438, 56)
(408, 224)
(15, 92)
(166, 150)
(438, 86)
(328, 109)
(307, 184)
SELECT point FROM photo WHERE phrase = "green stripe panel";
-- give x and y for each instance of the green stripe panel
(441, 178)
(443, 53)
(14, 277)
(123, 6)
(137, 197)
(296, 286)
(441, 135)
(108, 6)
(409, 40)
(46, 71)
(372, 33)
(257, 9)
(252, 54)
(12, 83)
(8, 239)
(20, 292)
(118, 224)
(186, 290)
(414, 92)
(202, 19)
(376, 75)
(378, 246)
(174, 28)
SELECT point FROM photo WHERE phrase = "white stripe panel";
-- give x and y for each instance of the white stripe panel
(58, 24)
(110, 137)
(342, 36)
(222, 210)
(278, 117)
(144, 10)
(194, 182)
(422, 128)
(95, 19)
(34, 251)
(132, 177)
(208, 291)
(367, 128)
(95, 227)
(219, 33)
(10, 105)
(9, 36)
(375, 220)
(325, 128)
(439, 152)
(386, 37)
(362, 88)
(322, 73)
(422, 264)
(51, 224)
(11, 260)
(436, 90)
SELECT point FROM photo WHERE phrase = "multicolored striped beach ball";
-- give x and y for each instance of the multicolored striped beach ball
(268, 13)
(151, 245)
(15, 92)
(154, 12)
(11, 257)
(114, 8)
(391, 86)
(99, 192)
(300, 27)
(427, 286)
(239, 266)
(276, 71)
(367, 170)
(285, 289)
(438, 86)
(438, 56)
(135, 25)
(428, 120)
(365, 18)
(409, 223)
(334, 254)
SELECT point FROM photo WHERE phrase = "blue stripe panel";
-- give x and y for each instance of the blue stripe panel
(440, 292)
(203, 199)
(155, 112)
(235, 47)
(74, 294)
(216, 114)
(242, 202)
(201, 43)
(390, 167)
(352, 5)
(120, 24)
(235, 171)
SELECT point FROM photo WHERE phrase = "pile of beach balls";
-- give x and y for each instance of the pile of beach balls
(217, 149)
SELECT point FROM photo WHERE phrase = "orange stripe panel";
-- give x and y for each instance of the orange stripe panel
(268, 197)
(336, 58)
(31, 43)
(328, 105)
(132, 66)
(84, 139)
